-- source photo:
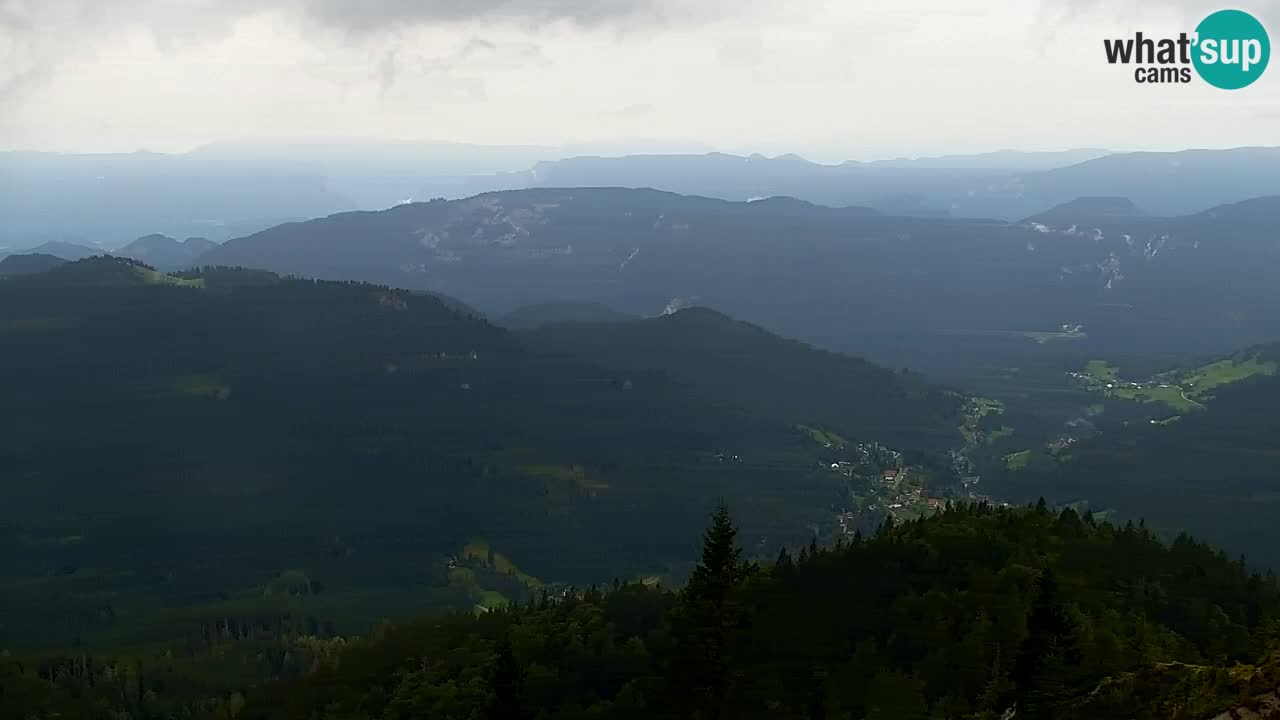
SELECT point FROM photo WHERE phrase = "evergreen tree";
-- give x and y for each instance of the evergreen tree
(1050, 655)
(710, 617)
(504, 685)
(784, 563)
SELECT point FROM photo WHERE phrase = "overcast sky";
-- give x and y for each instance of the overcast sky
(829, 80)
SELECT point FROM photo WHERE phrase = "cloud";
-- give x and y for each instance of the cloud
(860, 79)
(374, 15)
(185, 17)
(634, 110)
(37, 36)
(1264, 9)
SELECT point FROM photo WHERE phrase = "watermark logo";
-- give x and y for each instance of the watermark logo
(1229, 50)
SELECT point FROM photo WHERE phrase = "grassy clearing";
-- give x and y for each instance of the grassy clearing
(1170, 395)
(1102, 370)
(201, 386)
(824, 437)
(564, 475)
(492, 599)
(998, 434)
(155, 277)
(1225, 372)
(478, 550)
(1181, 391)
(1017, 460)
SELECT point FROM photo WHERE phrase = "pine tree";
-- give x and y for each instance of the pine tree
(783, 563)
(1049, 655)
(504, 685)
(709, 618)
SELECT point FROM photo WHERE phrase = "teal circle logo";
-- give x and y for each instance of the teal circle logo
(1232, 49)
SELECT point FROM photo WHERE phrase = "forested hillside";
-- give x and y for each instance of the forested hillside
(969, 614)
(744, 365)
(12, 265)
(935, 294)
(1209, 468)
(230, 441)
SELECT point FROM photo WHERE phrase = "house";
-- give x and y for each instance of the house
(890, 475)
(935, 503)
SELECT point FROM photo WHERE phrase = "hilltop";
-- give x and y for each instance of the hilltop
(62, 250)
(744, 365)
(99, 271)
(165, 252)
(1087, 210)
(28, 264)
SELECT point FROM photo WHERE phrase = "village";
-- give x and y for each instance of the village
(879, 483)
(882, 483)
(1178, 394)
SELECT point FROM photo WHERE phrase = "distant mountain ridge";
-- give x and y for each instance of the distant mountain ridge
(1088, 209)
(1006, 184)
(849, 279)
(165, 252)
(1014, 160)
(1168, 183)
(232, 189)
(28, 264)
(60, 249)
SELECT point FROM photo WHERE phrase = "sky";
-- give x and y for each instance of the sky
(825, 79)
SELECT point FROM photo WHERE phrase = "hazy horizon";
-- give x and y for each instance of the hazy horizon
(285, 144)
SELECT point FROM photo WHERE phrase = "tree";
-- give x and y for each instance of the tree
(784, 563)
(709, 618)
(1049, 656)
(504, 685)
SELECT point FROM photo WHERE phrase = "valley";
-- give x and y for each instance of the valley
(350, 407)
(638, 360)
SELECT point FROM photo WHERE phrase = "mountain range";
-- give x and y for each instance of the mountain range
(896, 289)
(165, 252)
(231, 189)
(222, 462)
